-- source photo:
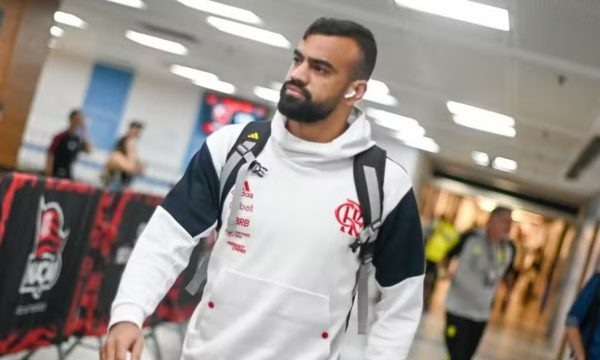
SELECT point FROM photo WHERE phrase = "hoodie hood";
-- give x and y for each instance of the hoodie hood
(356, 139)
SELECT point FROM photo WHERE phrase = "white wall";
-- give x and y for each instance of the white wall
(168, 107)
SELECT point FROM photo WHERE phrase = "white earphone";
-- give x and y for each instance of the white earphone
(350, 94)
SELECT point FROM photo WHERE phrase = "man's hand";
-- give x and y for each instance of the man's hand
(122, 338)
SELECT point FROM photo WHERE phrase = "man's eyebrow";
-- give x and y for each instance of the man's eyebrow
(314, 61)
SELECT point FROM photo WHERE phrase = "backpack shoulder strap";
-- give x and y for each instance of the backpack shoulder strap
(247, 146)
(241, 157)
(369, 174)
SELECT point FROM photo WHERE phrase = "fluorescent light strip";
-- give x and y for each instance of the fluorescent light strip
(465, 110)
(216, 85)
(69, 19)
(504, 164)
(156, 42)
(223, 10)
(481, 125)
(463, 10)
(423, 143)
(378, 92)
(391, 120)
(249, 32)
(267, 94)
(377, 87)
(56, 31)
(480, 158)
(138, 4)
(192, 74)
(408, 132)
(383, 99)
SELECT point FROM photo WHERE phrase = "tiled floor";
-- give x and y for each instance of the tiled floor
(497, 344)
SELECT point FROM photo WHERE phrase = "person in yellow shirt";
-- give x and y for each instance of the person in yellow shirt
(440, 236)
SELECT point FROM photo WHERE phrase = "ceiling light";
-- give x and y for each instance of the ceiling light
(504, 164)
(480, 158)
(385, 99)
(481, 125)
(377, 87)
(69, 19)
(378, 92)
(267, 94)
(465, 110)
(138, 4)
(56, 31)
(463, 10)
(216, 85)
(249, 32)
(391, 120)
(422, 143)
(223, 10)
(487, 204)
(410, 132)
(156, 42)
(192, 74)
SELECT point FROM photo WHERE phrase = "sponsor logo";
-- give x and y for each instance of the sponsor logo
(237, 247)
(45, 261)
(247, 193)
(349, 215)
(242, 222)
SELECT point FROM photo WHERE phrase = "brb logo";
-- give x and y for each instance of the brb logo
(45, 261)
(349, 215)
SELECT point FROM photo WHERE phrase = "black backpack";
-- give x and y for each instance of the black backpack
(369, 173)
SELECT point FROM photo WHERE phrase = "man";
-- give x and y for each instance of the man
(286, 291)
(583, 322)
(123, 163)
(483, 259)
(65, 147)
(441, 236)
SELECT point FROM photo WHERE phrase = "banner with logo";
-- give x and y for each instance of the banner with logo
(120, 219)
(45, 226)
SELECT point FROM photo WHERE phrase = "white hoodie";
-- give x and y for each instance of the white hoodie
(281, 287)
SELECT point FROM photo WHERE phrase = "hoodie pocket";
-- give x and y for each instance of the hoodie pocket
(249, 318)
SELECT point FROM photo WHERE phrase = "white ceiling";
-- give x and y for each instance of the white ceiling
(425, 60)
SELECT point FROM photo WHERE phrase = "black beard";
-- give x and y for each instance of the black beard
(305, 111)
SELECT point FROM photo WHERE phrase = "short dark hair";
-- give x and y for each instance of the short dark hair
(136, 124)
(74, 113)
(499, 210)
(361, 35)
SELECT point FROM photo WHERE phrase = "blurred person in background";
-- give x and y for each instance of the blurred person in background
(123, 164)
(583, 322)
(483, 257)
(440, 237)
(66, 145)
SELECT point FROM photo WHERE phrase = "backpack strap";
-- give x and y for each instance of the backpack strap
(241, 160)
(369, 173)
(246, 148)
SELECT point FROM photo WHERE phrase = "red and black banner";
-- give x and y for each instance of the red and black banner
(63, 249)
(119, 220)
(44, 230)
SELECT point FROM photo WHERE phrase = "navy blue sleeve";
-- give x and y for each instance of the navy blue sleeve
(584, 301)
(399, 251)
(194, 201)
